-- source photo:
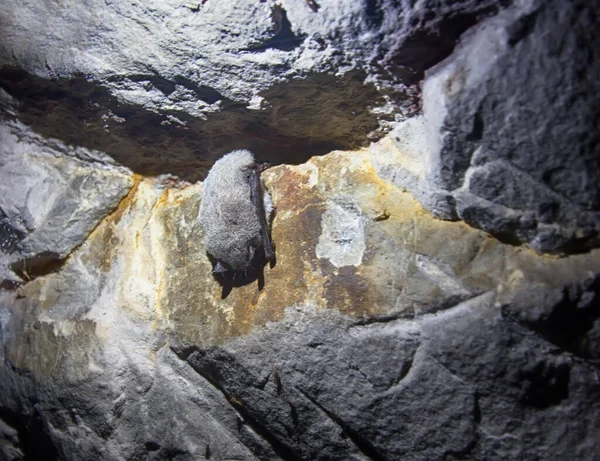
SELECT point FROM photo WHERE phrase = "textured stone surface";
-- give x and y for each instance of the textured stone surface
(381, 333)
(289, 79)
(51, 198)
(509, 139)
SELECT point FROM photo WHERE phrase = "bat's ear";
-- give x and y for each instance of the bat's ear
(219, 268)
(262, 166)
(251, 251)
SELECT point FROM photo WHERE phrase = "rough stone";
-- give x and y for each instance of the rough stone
(509, 139)
(439, 342)
(407, 315)
(286, 79)
(49, 201)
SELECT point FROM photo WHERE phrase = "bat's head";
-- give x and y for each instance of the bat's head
(238, 259)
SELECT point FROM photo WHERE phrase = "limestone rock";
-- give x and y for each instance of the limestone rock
(413, 311)
(289, 79)
(380, 333)
(49, 201)
(508, 139)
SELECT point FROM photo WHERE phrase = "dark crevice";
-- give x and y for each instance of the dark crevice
(546, 385)
(212, 365)
(476, 133)
(152, 446)
(374, 13)
(11, 419)
(359, 441)
(284, 38)
(521, 28)
(313, 5)
(38, 266)
(569, 321)
(404, 370)
(10, 285)
(434, 38)
(277, 381)
(183, 351)
(579, 245)
(9, 236)
(572, 318)
(427, 47)
(34, 440)
(300, 119)
(387, 318)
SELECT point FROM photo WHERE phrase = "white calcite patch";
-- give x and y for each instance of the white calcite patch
(342, 239)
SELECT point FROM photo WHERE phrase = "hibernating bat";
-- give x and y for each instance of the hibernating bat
(235, 212)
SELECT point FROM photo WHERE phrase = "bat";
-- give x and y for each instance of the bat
(235, 213)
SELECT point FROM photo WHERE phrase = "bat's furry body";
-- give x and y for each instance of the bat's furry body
(235, 211)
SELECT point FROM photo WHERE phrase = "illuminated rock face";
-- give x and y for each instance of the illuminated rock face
(287, 79)
(508, 139)
(382, 332)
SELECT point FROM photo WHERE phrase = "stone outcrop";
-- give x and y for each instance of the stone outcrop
(508, 140)
(381, 333)
(289, 79)
(52, 196)
(435, 294)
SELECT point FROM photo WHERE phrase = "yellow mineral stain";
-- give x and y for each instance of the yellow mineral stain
(159, 233)
(127, 201)
(103, 239)
(164, 276)
(138, 251)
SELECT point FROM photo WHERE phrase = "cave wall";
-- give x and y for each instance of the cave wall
(436, 293)
(288, 79)
(508, 138)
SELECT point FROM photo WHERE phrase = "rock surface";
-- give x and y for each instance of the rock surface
(381, 333)
(51, 198)
(289, 79)
(414, 310)
(508, 141)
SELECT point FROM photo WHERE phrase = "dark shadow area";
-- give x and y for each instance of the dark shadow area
(39, 265)
(301, 119)
(571, 323)
(572, 319)
(9, 236)
(34, 441)
(546, 385)
(231, 279)
(284, 38)
(433, 39)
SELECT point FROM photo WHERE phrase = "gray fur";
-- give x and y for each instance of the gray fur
(229, 218)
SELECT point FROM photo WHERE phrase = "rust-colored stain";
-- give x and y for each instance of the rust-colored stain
(103, 238)
(347, 290)
(290, 187)
(161, 229)
(193, 298)
(126, 202)
(455, 84)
